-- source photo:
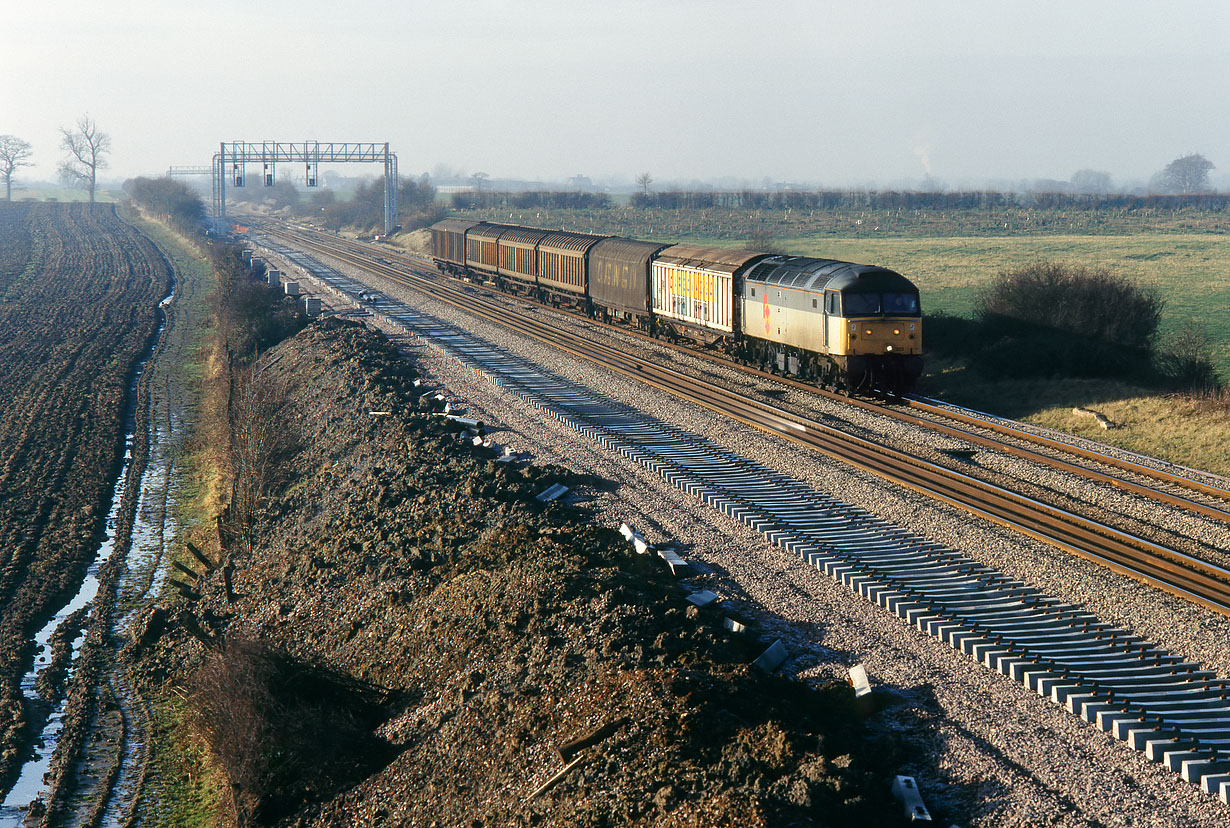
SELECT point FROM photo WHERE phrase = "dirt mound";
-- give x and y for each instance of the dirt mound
(493, 630)
(414, 241)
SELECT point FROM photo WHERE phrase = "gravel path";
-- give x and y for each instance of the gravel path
(984, 743)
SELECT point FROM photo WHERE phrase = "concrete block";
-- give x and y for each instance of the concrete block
(1075, 701)
(641, 545)
(1175, 759)
(627, 531)
(1212, 783)
(703, 598)
(859, 681)
(1197, 770)
(1112, 720)
(677, 565)
(772, 658)
(733, 625)
(553, 493)
(1157, 748)
(1137, 734)
(905, 791)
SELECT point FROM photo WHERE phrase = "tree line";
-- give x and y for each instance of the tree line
(795, 200)
(168, 199)
(364, 210)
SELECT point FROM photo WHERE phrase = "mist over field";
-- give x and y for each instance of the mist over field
(882, 94)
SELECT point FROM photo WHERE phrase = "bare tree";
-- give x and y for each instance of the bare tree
(87, 147)
(14, 153)
(643, 181)
(1189, 174)
(479, 181)
(1091, 182)
(762, 239)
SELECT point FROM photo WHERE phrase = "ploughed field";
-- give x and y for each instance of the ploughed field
(79, 291)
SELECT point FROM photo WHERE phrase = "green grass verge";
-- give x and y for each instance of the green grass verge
(183, 788)
(1173, 427)
(182, 791)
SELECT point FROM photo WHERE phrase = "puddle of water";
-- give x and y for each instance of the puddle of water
(152, 533)
(30, 785)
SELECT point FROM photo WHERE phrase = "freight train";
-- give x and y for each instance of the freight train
(842, 325)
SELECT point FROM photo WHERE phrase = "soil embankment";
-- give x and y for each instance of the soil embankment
(401, 633)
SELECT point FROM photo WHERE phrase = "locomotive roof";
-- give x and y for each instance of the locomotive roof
(721, 259)
(806, 273)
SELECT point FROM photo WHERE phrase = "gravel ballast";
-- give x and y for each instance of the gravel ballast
(996, 751)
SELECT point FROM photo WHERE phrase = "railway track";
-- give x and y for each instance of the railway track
(1175, 487)
(1172, 710)
(1179, 487)
(1180, 574)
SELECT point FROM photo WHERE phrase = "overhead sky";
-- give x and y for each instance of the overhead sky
(815, 91)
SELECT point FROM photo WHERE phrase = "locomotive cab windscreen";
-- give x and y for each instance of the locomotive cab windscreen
(879, 304)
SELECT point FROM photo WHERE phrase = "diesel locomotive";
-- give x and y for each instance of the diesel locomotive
(842, 325)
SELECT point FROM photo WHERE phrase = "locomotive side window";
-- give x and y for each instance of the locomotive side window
(830, 303)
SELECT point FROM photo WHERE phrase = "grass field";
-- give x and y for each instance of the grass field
(1191, 271)
(1185, 254)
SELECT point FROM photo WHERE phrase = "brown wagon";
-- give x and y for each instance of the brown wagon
(448, 241)
(518, 254)
(481, 249)
(619, 278)
(563, 264)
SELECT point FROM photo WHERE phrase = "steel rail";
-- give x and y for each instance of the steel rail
(957, 414)
(1177, 573)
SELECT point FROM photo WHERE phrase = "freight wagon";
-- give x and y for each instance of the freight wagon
(844, 325)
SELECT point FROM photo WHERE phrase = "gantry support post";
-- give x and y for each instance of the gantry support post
(237, 154)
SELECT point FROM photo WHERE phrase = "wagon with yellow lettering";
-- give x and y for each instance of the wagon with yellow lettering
(692, 291)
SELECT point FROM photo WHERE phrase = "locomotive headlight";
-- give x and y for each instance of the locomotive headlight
(868, 332)
(896, 332)
(888, 347)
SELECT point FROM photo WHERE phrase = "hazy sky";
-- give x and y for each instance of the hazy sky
(827, 92)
